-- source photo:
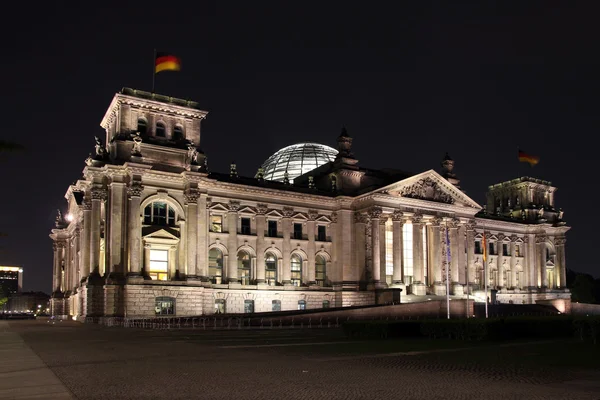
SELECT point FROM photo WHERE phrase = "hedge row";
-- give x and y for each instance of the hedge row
(586, 329)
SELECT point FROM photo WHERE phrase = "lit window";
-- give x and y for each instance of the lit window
(164, 306)
(178, 132)
(246, 230)
(389, 249)
(296, 270)
(271, 269)
(159, 264)
(321, 271)
(276, 305)
(517, 250)
(322, 233)
(142, 126)
(301, 304)
(407, 250)
(216, 223)
(215, 266)
(161, 131)
(159, 213)
(220, 306)
(248, 306)
(243, 267)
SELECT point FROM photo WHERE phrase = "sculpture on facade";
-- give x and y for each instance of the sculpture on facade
(137, 145)
(427, 189)
(100, 149)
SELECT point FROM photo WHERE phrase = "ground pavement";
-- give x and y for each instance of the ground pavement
(95, 362)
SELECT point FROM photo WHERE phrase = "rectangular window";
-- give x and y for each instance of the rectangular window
(325, 303)
(389, 250)
(322, 233)
(505, 249)
(216, 223)
(248, 306)
(220, 306)
(407, 248)
(478, 247)
(246, 226)
(492, 247)
(159, 264)
(301, 304)
(517, 250)
(276, 305)
(164, 306)
(272, 229)
(297, 231)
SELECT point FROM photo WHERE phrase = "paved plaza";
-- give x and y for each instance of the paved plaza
(62, 360)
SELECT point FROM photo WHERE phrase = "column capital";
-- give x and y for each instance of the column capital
(398, 216)
(261, 209)
(191, 196)
(436, 221)
(417, 218)
(360, 218)
(383, 220)
(287, 212)
(513, 238)
(470, 225)
(334, 217)
(540, 239)
(500, 237)
(234, 205)
(99, 193)
(560, 241)
(526, 239)
(86, 205)
(135, 189)
(374, 212)
(453, 223)
(313, 215)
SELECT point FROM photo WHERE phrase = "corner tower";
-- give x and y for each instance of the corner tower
(148, 127)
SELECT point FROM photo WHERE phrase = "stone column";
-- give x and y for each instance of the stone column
(456, 245)
(513, 261)
(134, 193)
(76, 263)
(336, 246)
(286, 227)
(182, 261)
(191, 244)
(419, 284)
(462, 254)
(360, 250)
(146, 263)
(560, 265)
(471, 274)
(261, 222)
(232, 222)
(55, 268)
(500, 249)
(117, 206)
(59, 255)
(382, 251)
(203, 236)
(374, 214)
(530, 268)
(311, 246)
(439, 288)
(85, 246)
(99, 195)
(541, 254)
(397, 244)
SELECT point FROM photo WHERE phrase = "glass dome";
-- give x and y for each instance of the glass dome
(297, 159)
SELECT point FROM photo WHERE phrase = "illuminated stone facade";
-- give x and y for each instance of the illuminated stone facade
(150, 230)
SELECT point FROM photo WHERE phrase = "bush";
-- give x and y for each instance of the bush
(587, 329)
(382, 329)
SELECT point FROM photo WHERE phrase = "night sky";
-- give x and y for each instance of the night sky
(409, 82)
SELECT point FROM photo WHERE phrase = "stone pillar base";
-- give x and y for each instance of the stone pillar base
(398, 285)
(134, 278)
(418, 289)
(439, 289)
(457, 289)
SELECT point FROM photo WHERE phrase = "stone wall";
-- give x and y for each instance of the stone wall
(139, 300)
(585, 309)
(350, 299)
(562, 305)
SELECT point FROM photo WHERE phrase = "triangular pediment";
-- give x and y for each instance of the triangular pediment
(430, 186)
(274, 213)
(218, 207)
(247, 210)
(300, 216)
(324, 218)
(157, 232)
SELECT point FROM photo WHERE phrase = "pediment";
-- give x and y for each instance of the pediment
(274, 213)
(324, 218)
(478, 235)
(157, 232)
(247, 210)
(300, 216)
(218, 207)
(430, 186)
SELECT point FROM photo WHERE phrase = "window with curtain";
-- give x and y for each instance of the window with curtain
(296, 265)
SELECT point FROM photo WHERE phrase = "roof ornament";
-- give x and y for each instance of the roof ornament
(233, 170)
(286, 177)
(333, 183)
(311, 182)
(100, 149)
(136, 150)
(260, 175)
(344, 144)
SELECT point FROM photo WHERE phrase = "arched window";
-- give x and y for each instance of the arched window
(271, 269)
(243, 267)
(159, 213)
(164, 306)
(276, 305)
(178, 132)
(296, 270)
(321, 270)
(161, 131)
(142, 126)
(215, 266)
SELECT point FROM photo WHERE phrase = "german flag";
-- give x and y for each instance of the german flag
(528, 158)
(484, 245)
(166, 62)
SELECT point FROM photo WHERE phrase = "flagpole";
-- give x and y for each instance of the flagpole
(485, 273)
(467, 275)
(153, 70)
(447, 270)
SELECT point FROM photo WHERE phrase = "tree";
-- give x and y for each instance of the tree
(583, 289)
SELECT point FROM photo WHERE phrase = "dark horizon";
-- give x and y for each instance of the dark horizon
(410, 82)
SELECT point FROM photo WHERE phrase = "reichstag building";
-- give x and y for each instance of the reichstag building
(148, 230)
